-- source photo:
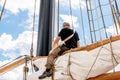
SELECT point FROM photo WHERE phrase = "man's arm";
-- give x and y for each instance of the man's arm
(55, 43)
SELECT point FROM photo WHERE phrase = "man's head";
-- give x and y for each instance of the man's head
(66, 25)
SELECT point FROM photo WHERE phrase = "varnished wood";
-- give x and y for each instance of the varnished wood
(95, 45)
(17, 63)
(107, 76)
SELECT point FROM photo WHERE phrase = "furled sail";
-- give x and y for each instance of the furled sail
(83, 64)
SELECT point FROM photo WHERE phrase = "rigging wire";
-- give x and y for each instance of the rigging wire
(31, 50)
(71, 13)
(102, 18)
(114, 22)
(53, 21)
(82, 22)
(98, 21)
(58, 16)
(117, 7)
(92, 21)
(89, 20)
(116, 17)
(2, 10)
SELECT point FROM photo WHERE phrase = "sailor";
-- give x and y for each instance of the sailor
(57, 50)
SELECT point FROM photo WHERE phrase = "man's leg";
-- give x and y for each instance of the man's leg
(50, 60)
(51, 57)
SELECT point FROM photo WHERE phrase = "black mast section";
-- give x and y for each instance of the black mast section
(44, 42)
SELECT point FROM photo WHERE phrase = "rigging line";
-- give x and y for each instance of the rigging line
(71, 13)
(92, 20)
(82, 22)
(99, 17)
(2, 10)
(102, 19)
(112, 50)
(98, 21)
(98, 29)
(116, 19)
(89, 21)
(94, 62)
(114, 22)
(98, 6)
(117, 7)
(31, 50)
(58, 16)
(69, 63)
(53, 21)
(112, 55)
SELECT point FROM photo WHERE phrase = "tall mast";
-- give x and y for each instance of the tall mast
(45, 27)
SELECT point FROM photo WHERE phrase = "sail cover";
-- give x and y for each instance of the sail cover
(83, 64)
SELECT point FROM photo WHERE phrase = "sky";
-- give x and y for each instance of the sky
(17, 23)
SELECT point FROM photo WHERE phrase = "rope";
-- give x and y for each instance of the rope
(71, 13)
(31, 50)
(2, 9)
(102, 19)
(94, 62)
(69, 63)
(92, 22)
(117, 7)
(114, 22)
(82, 23)
(98, 22)
(89, 21)
(112, 56)
(58, 16)
(117, 18)
(53, 21)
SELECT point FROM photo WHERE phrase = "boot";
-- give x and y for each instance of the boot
(46, 73)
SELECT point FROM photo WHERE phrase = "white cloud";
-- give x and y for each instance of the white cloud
(9, 47)
(16, 5)
(112, 30)
(6, 42)
(22, 43)
(75, 4)
(67, 18)
(28, 23)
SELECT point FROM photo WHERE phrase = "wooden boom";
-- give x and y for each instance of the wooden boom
(16, 64)
(107, 76)
(95, 45)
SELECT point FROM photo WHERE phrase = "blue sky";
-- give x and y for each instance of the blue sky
(16, 29)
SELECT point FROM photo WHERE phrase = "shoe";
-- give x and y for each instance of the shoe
(46, 74)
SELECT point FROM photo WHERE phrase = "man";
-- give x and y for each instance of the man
(73, 42)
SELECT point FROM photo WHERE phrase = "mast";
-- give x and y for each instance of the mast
(45, 27)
